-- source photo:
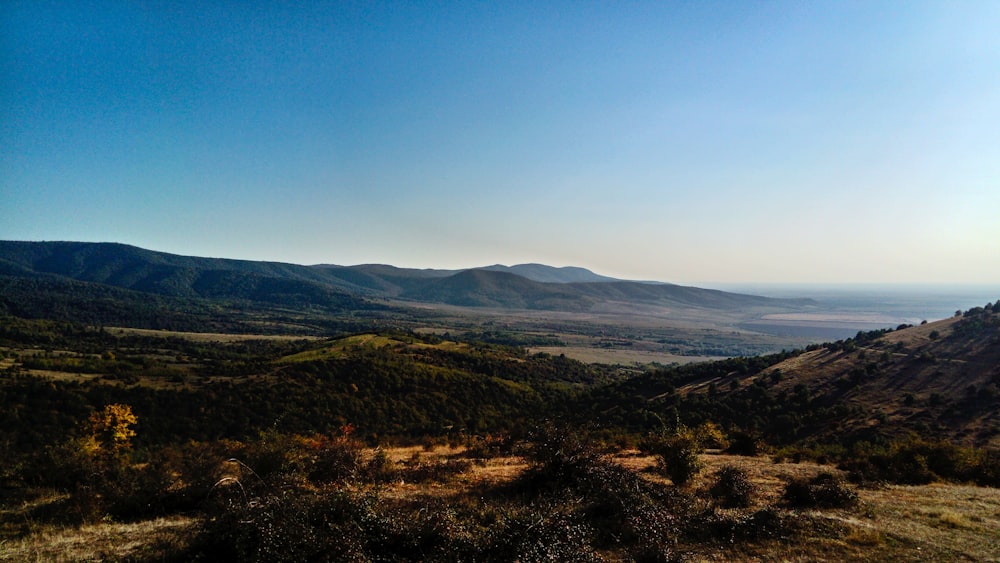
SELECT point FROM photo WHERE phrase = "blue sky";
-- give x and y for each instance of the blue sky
(678, 141)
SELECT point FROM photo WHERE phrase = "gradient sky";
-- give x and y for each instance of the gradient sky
(677, 141)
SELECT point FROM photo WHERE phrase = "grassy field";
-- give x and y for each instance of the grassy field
(204, 336)
(620, 356)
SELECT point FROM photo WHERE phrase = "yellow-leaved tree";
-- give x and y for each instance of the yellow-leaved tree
(111, 429)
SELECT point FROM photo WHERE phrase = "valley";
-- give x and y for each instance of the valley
(251, 411)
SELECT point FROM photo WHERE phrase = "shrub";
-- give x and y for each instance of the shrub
(677, 454)
(489, 446)
(538, 533)
(284, 524)
(746, 444)
(822, 491)
(617, 507)
(334, 459)
(917, 461)
(434, 471)
(733, 487)
(559, 457)
(729, 526)
(711, 436)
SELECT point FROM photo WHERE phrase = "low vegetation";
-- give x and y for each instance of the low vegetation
(556, 495)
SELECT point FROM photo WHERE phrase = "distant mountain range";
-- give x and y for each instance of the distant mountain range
(525, 286)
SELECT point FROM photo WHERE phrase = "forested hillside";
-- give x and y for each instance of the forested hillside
(342, 289)
(388, 385)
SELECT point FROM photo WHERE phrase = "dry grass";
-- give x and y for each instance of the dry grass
(956, 521)
(148, 540)
(936, 522)
(488, 472)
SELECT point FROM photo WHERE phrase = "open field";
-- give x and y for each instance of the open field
(205, 336)
(621, 356)
(680, 333)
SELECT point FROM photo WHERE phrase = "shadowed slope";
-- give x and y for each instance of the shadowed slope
(502, 287)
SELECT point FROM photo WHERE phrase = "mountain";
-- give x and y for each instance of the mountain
(499, 289)
(549, 274)
(502, 289)
(525, 286)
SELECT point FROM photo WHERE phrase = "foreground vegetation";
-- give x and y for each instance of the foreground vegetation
(391, 445)
(557, 495)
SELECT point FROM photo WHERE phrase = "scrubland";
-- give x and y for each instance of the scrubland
(552, 497)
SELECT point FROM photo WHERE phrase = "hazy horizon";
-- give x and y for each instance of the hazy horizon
(974, 294)
(741, 143)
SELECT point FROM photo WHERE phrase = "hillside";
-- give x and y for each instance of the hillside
(941, 378)
(937, 380)
(487, 288)
(190, 386)
(526, 286)
(161, 273)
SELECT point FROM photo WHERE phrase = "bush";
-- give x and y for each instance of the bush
(285, 524)
(711, 436)
(334, 459)
(730, 527)
(434, 471)
(746, 444)
(617, 507)
(489, 446)
(559, 456)
(538, 533)
(733, 487)
(822, 491)
(677, 454)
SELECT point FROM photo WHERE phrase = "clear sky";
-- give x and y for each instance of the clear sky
(742, 141)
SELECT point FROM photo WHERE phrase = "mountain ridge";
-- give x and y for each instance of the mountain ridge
(497, 286)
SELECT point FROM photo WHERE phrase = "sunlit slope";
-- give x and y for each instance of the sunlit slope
(344, 347)
(941, 378)
(937, 380)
